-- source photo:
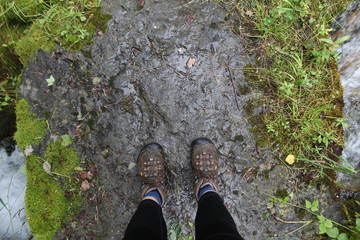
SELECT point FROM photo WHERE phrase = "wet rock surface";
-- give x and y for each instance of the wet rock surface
(136, 85)
(348, 23)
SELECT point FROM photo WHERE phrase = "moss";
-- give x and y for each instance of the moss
(300, 213)
(51, 200)
(63, 160)
(281, 193)
(58, 25)
(30, 130)
(28, 45)
(45, 202)
(239, 138)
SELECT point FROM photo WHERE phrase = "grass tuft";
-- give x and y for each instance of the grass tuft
(296, 73)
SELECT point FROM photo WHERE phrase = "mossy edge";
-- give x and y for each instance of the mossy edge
(51, 199)
(30, 130)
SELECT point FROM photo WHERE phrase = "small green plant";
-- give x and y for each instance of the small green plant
(326, 226)
(324, 138)
(175, 229)
(284, 200)
(313, 206)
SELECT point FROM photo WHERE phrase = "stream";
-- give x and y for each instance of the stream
(12, 184)
(349, 69)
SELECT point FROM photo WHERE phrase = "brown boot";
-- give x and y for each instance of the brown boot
(205, 163)
(151, 168)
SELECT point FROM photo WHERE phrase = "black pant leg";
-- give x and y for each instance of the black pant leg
(147, 223)
(213, 221)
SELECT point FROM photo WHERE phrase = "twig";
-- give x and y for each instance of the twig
(232, 77)
(305, 223)
(237, 68)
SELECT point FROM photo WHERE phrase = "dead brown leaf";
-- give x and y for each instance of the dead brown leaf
(47, 167)
(85, 185)
(141, 3)
(89, 175)
(190, 62)
(249, 13)
(83, 175)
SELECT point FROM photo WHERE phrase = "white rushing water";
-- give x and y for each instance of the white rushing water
(13, 223)
(349, 69)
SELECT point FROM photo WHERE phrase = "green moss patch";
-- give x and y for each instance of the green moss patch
(29, 25)
(72, 24)
(53, 193)
(30, 130)
(51, 199)
(45, 202)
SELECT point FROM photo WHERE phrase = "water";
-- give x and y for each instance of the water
(13, 223)
(349, 69)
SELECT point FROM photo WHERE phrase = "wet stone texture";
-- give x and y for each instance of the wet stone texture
(136, 85)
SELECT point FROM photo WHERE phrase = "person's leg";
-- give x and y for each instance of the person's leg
(213, 221)
(148, 221)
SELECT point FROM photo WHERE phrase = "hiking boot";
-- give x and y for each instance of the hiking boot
(151, 169)
(205, 163)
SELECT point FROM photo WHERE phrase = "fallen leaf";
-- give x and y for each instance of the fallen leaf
(249, 13)
(47, 167)
(83, 175)
(262, 165)
(85, 185)
(93, 170)
(290, 159)
(190, 62)
(131, 165)
(28, 150)
(50, 81)
(89, 175)
(141, 3)
(96, 80)
(66, 140)
(100, 33)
